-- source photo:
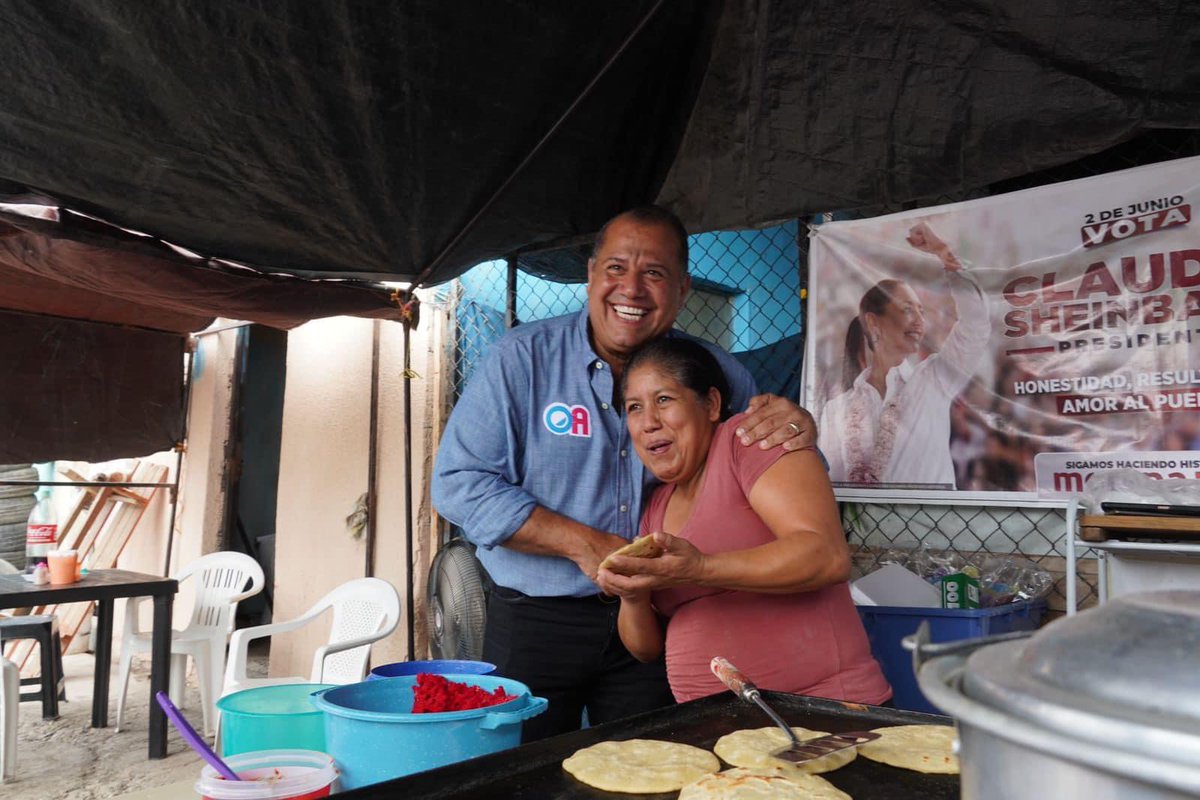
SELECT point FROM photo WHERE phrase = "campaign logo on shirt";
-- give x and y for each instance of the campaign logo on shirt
(564, 420)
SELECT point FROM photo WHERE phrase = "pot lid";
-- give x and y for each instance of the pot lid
(1124, 673)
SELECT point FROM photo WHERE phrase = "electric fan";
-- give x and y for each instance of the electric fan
(457, 606)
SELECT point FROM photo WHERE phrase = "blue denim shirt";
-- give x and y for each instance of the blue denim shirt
(535, 426)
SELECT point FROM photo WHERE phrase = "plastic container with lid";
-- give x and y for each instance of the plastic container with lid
(272, 775)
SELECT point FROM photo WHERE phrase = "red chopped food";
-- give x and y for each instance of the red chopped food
(433, 693)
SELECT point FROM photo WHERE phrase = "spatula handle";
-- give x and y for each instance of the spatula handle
(733, 679)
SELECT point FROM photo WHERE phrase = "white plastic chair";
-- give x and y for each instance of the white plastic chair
(365, 610)
(221, 580)
(10, 696)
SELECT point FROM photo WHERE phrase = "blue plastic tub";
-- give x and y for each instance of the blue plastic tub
(436, 667)
(373, 735)
(272, 718)
(887, 625)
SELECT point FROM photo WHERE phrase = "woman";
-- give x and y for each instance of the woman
(755, 563)
(892, 422)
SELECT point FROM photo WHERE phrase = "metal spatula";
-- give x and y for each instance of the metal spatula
(797, 752)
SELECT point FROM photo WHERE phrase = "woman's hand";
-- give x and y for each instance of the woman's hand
(773, 420)
(680, 563)
(922, 237)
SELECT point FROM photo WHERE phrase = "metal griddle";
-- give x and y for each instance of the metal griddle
(534, 771)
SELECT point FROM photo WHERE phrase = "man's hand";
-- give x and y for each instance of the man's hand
(594, 549)
(773, 420)
(547, 533)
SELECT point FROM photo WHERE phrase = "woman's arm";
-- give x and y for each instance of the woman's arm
(637, 622)
(793, 497)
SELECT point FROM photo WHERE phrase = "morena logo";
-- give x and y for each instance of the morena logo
(562, 419)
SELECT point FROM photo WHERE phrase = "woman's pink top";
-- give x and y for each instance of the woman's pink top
(810, 643)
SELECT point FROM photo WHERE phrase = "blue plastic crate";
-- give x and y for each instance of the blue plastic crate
(887, 625)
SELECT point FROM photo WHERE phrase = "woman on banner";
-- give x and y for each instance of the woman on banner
(891, 424)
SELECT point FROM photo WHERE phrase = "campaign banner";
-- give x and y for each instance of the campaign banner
(981, 347)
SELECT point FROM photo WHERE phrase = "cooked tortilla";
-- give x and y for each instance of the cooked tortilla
(752, 747)
(640, 766)
(922, 748)
(643, 547)
(761, 783)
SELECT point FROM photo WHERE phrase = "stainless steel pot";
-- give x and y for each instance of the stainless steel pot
(1105, 704)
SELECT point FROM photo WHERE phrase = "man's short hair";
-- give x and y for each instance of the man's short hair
(651, 215)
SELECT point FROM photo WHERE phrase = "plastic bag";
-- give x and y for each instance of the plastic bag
(1131, 486)
(1010, 579)
(1002, 579)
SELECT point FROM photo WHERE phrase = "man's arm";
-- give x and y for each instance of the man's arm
(476, 475)
(547, 533)
(772, 420)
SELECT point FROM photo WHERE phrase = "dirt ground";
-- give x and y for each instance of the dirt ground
(67, 758)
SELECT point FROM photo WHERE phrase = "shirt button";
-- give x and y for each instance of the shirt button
(599, 365)
(624, 508)
(624, 453)
(604, 405)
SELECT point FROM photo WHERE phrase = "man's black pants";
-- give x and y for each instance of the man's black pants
(567, 650)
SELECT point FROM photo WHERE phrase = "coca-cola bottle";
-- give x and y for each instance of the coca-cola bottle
(41, 533)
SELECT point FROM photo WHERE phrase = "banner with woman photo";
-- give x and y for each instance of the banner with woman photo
(1014, 345)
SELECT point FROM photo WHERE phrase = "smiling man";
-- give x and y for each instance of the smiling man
(537, 468)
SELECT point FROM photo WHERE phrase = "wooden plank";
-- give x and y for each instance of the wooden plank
(110, 542)
(102, 536)
(1099, 527)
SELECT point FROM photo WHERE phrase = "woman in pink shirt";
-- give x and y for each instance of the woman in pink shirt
(755, 562)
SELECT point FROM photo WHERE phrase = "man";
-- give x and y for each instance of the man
(537, 468)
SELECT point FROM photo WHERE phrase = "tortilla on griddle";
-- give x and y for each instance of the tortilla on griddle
(642, 547)
(752, 747)
(640, 766)
(921, 748)
(761, 783)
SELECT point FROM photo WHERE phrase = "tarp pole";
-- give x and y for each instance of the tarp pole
(372, 453)
(180, 449)
(510, 297)
(408, 488)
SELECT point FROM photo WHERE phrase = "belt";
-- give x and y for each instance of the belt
(505, 593)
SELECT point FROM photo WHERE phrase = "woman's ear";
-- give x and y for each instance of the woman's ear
(713, 404)
(872, 329)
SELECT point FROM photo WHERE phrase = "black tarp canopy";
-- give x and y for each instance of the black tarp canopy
(365, 141)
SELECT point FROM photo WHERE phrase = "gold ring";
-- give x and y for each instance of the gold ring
(795, 428)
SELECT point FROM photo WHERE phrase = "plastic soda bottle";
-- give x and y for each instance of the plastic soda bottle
(41, 533)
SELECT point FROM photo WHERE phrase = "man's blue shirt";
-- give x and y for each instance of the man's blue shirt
(535, 426)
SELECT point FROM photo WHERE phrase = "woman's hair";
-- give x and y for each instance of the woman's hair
(874, 301)
(686, 361)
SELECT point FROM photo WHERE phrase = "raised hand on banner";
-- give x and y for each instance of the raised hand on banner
(921, 237)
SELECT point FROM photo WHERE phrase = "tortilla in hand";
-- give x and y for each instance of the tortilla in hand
(644, 547)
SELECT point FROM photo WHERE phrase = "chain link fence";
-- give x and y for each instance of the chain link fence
(747, 298)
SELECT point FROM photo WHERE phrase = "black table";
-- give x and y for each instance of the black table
(103, 586)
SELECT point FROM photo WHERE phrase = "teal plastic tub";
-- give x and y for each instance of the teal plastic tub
(888, 625)
(272, 718)
(373, 735)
